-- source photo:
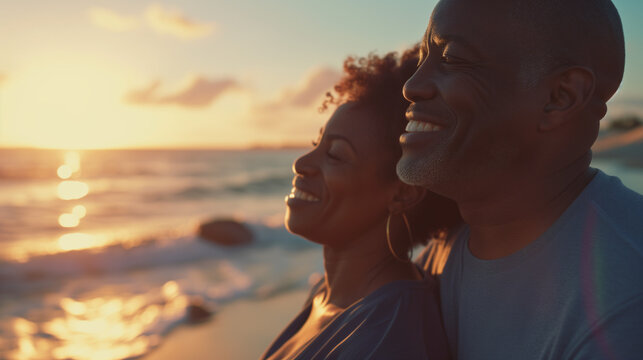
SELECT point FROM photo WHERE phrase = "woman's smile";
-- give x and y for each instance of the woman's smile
(299, 194)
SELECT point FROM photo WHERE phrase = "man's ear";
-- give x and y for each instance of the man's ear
(571, 90)
(405, 197)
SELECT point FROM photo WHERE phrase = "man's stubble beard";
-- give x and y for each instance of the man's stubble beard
(427, 172)
(438, 173)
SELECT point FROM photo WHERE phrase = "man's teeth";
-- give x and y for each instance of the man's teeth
(299, 194)
(421, 126)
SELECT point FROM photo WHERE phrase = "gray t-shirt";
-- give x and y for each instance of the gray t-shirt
(400, 320)
(574, 293)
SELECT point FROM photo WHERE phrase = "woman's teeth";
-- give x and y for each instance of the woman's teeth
(421, 126)
(302, 195)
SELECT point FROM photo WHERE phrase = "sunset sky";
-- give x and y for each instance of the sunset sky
(202, 73)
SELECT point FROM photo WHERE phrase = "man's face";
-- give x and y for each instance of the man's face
(482, 120)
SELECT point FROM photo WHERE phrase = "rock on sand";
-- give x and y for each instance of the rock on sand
(227, 232)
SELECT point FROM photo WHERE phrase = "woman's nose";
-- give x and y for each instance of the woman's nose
(305, 164)
(420, 86)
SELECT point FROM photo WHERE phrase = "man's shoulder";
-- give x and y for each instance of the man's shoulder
(602, 243)
(607, 187)
(614, 211)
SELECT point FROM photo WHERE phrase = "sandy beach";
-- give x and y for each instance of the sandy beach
(257, 322)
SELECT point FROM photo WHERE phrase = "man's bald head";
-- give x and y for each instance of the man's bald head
(517, 88)
(571, 32)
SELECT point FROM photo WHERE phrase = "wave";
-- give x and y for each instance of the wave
(41, 270)
(130, 299)
(270, 184)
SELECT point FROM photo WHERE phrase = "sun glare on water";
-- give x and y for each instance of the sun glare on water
(78, 241)
(70, 190)
(101, 327)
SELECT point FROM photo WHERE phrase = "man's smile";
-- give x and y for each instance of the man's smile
(418, 118)
(423, 129)
(421, 126)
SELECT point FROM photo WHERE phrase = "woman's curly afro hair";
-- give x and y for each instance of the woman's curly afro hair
(376, 83)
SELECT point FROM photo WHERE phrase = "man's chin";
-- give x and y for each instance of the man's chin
(413, 171)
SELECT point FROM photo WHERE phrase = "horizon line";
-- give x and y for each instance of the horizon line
(186, 148)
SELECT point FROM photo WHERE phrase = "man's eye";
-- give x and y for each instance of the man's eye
(451, 60)
(447, 59)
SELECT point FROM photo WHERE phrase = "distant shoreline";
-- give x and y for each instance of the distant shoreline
(251, 148)
(624, 146)
(614, 143)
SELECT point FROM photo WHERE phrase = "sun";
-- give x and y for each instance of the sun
(64, 102)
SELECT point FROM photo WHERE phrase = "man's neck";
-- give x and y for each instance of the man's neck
(511, 220)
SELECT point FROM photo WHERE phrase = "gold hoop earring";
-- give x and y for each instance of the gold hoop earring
(390, 244)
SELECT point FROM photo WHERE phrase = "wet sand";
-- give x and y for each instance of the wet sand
(242, 330)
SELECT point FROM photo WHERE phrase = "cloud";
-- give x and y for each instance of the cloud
(146, 95)
(156, 18)
(174, 23)
(292, 115)
(198, 93)
(310, 91)
(111, 20)
(3, 78)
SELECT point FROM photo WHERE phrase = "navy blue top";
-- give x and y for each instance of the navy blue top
(400, 320)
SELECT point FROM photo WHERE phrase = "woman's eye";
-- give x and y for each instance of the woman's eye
(315, 143)
(339, 151)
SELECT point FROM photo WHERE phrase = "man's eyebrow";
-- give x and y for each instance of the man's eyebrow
(441, 40)
(424, 47)
(331, 137)
(424, 51)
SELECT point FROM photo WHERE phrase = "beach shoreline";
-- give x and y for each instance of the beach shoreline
(241, 330)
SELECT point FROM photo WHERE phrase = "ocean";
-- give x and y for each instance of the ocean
(99, 257)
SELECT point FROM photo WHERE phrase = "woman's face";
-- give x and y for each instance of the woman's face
(342, 188)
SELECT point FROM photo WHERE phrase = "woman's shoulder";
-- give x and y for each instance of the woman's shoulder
(398, 299)
(399, 320)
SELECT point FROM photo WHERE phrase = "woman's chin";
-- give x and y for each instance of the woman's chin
(299, 226)
(295, 227)
(290, 220)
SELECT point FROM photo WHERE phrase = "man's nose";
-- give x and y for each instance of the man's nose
(420, 86)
